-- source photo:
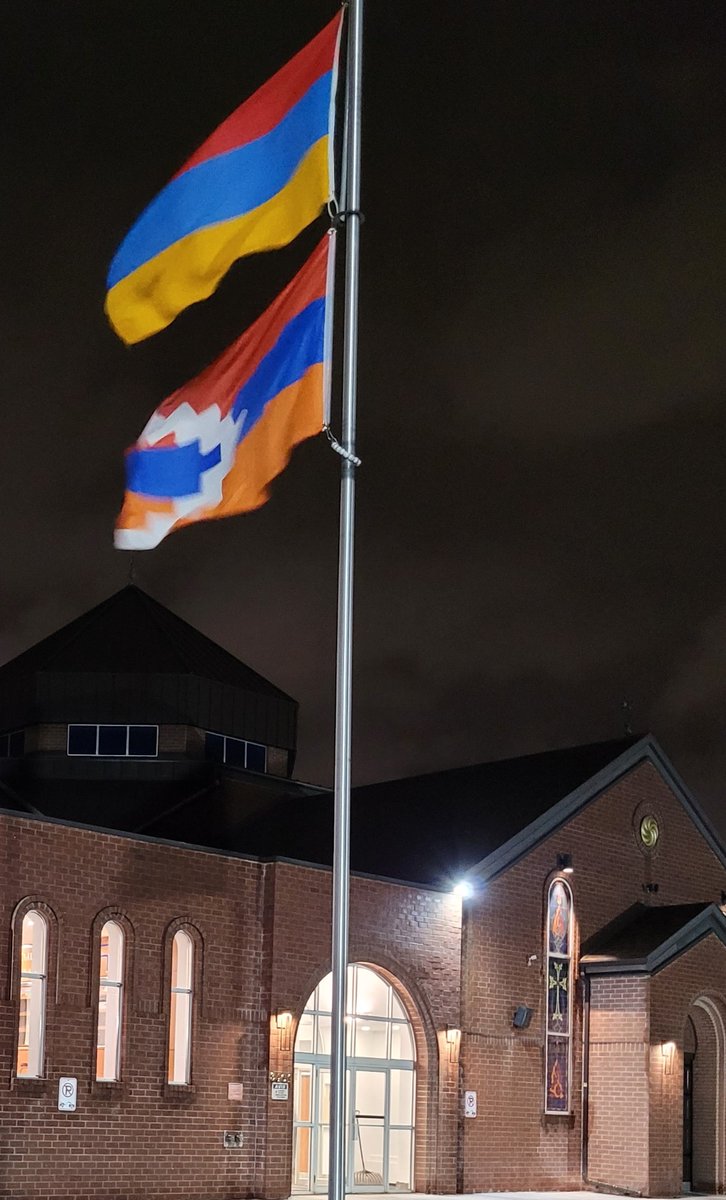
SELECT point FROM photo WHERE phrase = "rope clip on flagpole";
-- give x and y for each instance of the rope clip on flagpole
(341, 450)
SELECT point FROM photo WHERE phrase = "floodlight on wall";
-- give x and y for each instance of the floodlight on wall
(463, 889)
(668, 1050)
(564, 864)
(453, 1040)
(283, 1021)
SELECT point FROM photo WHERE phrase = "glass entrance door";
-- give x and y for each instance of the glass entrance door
(367, 1132)
(380, 1089)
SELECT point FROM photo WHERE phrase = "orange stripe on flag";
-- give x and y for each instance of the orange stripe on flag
(294, 415)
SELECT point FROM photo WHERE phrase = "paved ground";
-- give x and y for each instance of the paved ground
(502, 1196)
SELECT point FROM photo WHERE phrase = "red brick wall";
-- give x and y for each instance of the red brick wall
(700, 973)
(264, 937)
(263, 934)
(504, 925)
(414, 936)
(618, 1117)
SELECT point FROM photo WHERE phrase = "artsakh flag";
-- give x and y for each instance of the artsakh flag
(253, 185)
(212, 449)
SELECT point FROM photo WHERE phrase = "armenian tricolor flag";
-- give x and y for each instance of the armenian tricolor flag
(254, 184)
(215, 445)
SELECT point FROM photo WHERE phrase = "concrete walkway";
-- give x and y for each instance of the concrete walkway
(499, 1196)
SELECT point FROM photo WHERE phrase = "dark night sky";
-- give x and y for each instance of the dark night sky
(542, 526)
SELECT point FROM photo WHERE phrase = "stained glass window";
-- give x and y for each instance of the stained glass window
(558, 1058)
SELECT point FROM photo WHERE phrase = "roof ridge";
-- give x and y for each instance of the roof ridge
(73, 629)
(154, 606)
(188, 651)
(624, 742)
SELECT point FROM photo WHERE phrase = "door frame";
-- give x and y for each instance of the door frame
(321, 1062)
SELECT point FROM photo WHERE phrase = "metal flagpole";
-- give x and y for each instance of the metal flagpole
(341, 844)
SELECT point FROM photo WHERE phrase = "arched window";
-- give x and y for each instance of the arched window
(180, 1009)
(33, 972)
(558, 1056)
(110, 1002)
(380, 1087)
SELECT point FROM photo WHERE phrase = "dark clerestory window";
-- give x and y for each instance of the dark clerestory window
(114, 741)
(236, 752)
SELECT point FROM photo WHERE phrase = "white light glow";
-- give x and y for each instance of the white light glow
(463, 889)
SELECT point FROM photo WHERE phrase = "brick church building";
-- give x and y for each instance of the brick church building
(165, 908)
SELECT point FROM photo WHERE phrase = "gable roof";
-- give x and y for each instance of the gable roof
(428, 830)
(645, 938)
(644, 749)
(431, 829)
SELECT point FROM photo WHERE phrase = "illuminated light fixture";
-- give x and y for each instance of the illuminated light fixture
(668, 1050)
(453, 1038)
(564, 864)
(283, 1021)
(463, 889)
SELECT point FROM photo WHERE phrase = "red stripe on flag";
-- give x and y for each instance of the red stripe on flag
(269, 104)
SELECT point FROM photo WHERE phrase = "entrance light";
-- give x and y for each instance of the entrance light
(453, 1037)
(668, 1050)
(283, 1021)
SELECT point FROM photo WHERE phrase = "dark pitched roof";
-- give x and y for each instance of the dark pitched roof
(428, 829)
(131, 660)
(132, 633)
(203, 804)
(645, 938)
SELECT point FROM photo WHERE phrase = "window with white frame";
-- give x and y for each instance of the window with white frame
(558, 981)
(236, 752)
(33, 974)
(114, 741)
(180, 1009)
(110, 1002)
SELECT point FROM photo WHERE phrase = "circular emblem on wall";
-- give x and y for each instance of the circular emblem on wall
(649, 832)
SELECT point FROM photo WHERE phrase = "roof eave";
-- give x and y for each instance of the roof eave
(645, 750)
(711, 920)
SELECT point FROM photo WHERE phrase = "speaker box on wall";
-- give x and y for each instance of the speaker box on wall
(522, 1017)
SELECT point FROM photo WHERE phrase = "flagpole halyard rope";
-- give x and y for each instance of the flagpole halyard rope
(341, 450)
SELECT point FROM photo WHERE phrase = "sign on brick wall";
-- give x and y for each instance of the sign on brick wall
(67, 1094)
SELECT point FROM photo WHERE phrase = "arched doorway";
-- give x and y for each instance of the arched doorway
(380, 1088)
(704, 1086)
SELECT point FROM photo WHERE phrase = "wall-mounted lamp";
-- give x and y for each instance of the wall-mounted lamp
(283, 1021)
(564, 864)
(668, 1050)
(463, 889)
(453, 1039)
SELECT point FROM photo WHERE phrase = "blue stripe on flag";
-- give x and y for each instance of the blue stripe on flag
(228, 185)
(299, 347)
(170, 472)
